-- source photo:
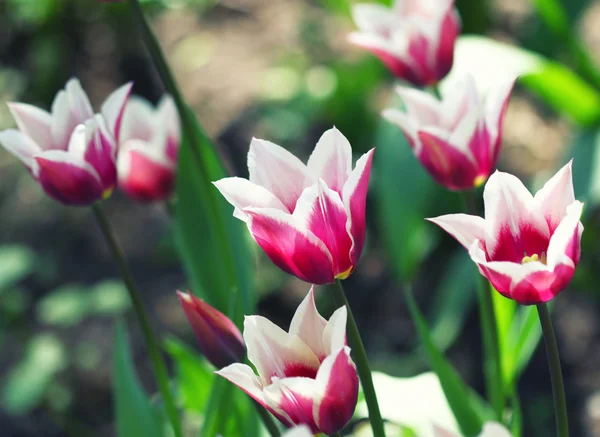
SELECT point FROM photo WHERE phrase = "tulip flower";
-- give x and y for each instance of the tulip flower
(148, 148)
(414, 38)
(490, 429)
(220, 340)
(298, 431)
(527, 246)
(309, 219)
(70, 151)
(458, 138)
(306, 375)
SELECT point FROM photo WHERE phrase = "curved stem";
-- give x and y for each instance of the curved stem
(362, 362)
(267, 420)
(158, 364)
(558, 387)
(492, 366)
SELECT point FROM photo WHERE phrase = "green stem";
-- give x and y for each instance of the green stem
(158, 364)
(362, 362)
(492, 365)
(558, 388)
(267, 420)
(337, 434)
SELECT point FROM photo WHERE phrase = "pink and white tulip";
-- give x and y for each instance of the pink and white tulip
(305, 376)
(309, 219)
(148, 149)
(414, 38)
(457, 139)
(70, 151)
(490, 429)
(527, 246)
(298, 431)
(220, 340)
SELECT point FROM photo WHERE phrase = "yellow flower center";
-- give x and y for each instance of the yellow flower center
(535, 257)
(345, 274)
(107, 193)
(479, 180)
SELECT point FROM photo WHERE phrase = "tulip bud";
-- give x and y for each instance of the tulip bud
(220, 340)
(414, 38)
(70, 152)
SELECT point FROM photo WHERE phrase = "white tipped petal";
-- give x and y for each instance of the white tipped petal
(555, 196)
(242, 193)
(244, 377)
(370, 17)
(465, 228)
(334, 334)
(331, 160)
(494, 429)
(114, 106)
(309, 325)
(138, 120)
(34, 123)
(78, 101)
(564, 244)
(20, 146)
(420, 106)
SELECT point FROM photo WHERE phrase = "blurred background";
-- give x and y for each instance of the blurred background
(280, 70)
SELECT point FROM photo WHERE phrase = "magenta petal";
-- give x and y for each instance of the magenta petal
(397, 66)
(100, 154)
(447, 166)
(419, 49)
(294, 250)
(450, 28)
(540, 287)
(322, 210)
(298, 407)
(143, 178)
(355, 202)
(341, 394)
(67, 182)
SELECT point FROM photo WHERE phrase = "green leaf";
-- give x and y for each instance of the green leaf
(194, 375)
(457, 392)
(213, 244)
(25, 385)
(401, 211)
(586, 166)
(135, 415)
(16, 262)
(490, 61)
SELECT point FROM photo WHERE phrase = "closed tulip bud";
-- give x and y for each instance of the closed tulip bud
(70, 151)
(457, 139)
(527, 246)
(148, 149)
(309, 219)
(220, 340)
(414, 38)
(305, 376)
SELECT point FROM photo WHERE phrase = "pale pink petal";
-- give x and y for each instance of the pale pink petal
(64, 120)
(407, 125)
(299, 431)
(294, 397)
(321, 211)
(309, 325)
(331, 160)
(496, 104)
(34, 123)
(275, 353)
(337, 383)
(244, 377)
(79, 102)
(291, 246)
(354, 197)
(420, 106)
(564, 247)
(167, 112)
(465, 228)
(441, 432)
(513, 229)
(370, 17)
(494, 429)
(113, 108)
(554, 197)
(20, 146)
(242, 193)
(334, 334)
(277, 170)
(67, 179)
(138, 120)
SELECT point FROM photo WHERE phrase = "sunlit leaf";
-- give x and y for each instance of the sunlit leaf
(16, 262)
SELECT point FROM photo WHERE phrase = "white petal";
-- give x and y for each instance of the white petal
(563, 235)
(370, 17)
(242, 193)
(508, 203)
(34, 123)
(299, 431)
(78, 100)
(331, 160)
(138, 120)
(407, 124)
(113, 107)
(309, 325)
(334, 334)
(496, 102)
(167, 112)
(465, 228)
(438, 431)
(272, 350)
(277, 170)
(420, 106)
(19, 145)
(494, 429)
(465, 129)
(556, 194)
(64, 120)
(244, 377)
